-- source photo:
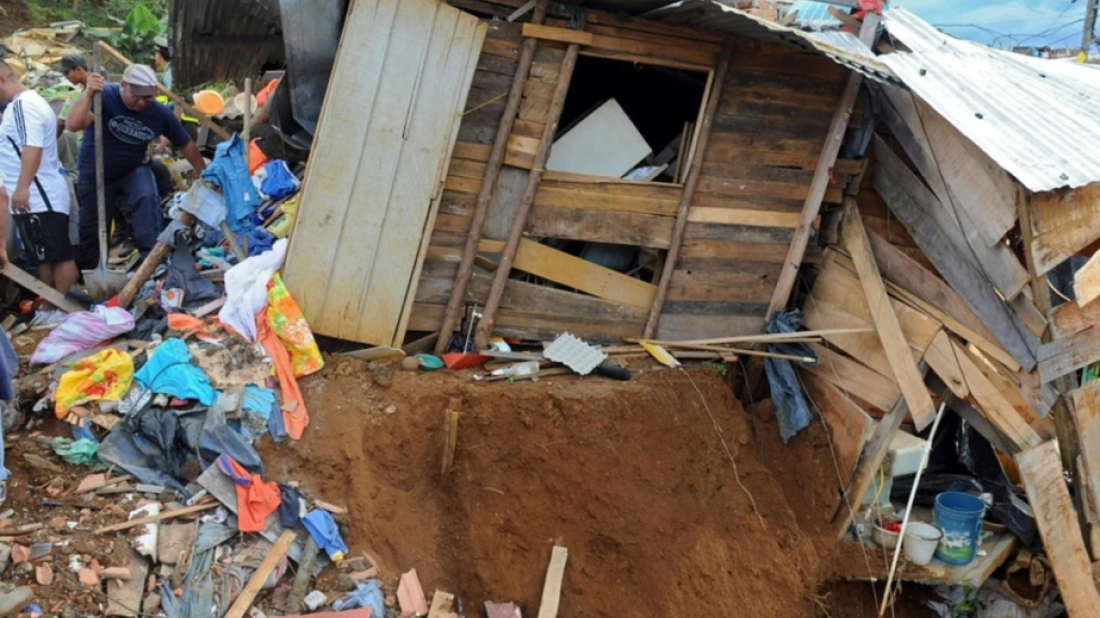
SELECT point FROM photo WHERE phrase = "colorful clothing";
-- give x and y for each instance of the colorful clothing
(103, 376)
(295, 416)
(256, 499)
(290, 325)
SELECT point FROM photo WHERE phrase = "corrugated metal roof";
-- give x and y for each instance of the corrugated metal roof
(842, 47)
(1036, 118)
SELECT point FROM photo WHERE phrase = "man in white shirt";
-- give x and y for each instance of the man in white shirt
(38, 193)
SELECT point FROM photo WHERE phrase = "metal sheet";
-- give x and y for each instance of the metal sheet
(1036, 118)
(311, 34)
(842, 47)
(222, 40)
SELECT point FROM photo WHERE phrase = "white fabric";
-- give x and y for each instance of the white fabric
(246, 289)
(29, 121)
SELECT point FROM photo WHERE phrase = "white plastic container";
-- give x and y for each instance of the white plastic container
(921, 541)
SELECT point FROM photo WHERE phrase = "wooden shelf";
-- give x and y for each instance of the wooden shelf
(995, 551)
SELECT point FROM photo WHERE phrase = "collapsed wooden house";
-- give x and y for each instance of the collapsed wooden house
(923, 205)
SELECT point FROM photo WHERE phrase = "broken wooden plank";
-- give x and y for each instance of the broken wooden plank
(561, 35)
(1064, 222)
(124, 595)
(442, 604)
(560, 267)
(940, 356)
(26, 280)
(551, 588)
(141, 521)
(1066, 355)
(1085, 409)
(909, 379)
(450, 439)
(1086, 281)
(901, 190)
(992, 401)
(849, 425)
(244, 600)
(874, 453)
(811, 207)
(952, 165)
(1042, 475)
(854, 378)
(1070, 318)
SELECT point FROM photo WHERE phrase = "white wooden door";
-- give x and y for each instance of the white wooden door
(376, 170)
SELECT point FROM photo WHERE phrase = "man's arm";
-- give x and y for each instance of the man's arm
(191, 152)
(80, 116)
(32, 158)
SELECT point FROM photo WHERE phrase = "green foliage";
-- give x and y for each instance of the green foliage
(721, 369)
(94, 13)
(140, 27)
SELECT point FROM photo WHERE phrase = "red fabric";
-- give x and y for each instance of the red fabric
(295, 416)
(255, 498)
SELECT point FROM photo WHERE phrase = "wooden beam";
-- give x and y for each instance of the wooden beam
(551, 587)
(992, 402)
(515, 235)
(694, 172)
(874, 453)
(488, 184)
(561, 35)
(26, 280)
(1062, 357)
(903, 193)
(820, 183)
(1041, 472)
(1085, 410)
(244, 600)
(1064, 222)
(141, 521)
(940, 356)
(886, 322)
(1070, 318)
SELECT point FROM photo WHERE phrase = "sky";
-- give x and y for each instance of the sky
(1005, 23)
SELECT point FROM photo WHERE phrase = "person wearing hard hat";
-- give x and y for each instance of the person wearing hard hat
(132, 119)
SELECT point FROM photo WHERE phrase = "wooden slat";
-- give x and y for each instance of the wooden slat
(997, 262)
(849, 425)
(1086, 281)
(741, 216)
(953, 166)
(991, 401)
(271, 560)
(1064, 223)
(1068, 354)
(1070, 318)
(854, 378)
(819, 185)
(910, 381)
(551, 33)
(1085, 409)
(625, 228)
(940, 356)
(901, 190)
(1041, 471)
(551, 587)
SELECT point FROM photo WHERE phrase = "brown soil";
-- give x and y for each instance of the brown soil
(631, 477)
(13, 16)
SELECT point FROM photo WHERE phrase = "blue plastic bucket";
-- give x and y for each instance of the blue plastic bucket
(960, 516)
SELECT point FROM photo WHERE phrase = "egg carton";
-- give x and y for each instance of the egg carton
(573, 352)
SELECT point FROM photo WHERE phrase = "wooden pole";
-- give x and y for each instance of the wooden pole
(812, 206)
(246, 133)
(220, 132)
(874, 453)
(149, 266)
(694, 171)
(488, 184)
(504, 268)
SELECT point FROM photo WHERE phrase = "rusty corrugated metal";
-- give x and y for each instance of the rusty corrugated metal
(223, 40)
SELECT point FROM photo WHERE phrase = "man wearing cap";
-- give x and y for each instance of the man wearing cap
(75, 69)
(131, 120)
(38, 194)
(162, 58)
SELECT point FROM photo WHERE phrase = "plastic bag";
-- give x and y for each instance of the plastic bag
(83, 330)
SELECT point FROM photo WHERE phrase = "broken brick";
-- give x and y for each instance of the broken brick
(43, 574)
(88, 577)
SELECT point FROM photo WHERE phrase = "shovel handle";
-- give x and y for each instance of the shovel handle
(148, 267)
(100, 191)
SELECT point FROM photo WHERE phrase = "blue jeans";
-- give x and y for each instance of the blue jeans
(139, 189)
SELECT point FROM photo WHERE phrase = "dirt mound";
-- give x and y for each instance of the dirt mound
(631, 477)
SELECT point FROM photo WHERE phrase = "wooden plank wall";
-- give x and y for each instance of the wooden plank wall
(770, 128)
(773, 115)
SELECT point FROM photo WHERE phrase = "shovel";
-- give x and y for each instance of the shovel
(102, 284)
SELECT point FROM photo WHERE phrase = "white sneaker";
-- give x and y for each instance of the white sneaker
(48, 320)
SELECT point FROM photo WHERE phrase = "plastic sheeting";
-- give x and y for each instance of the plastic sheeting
(791, 409)
(83, 330)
